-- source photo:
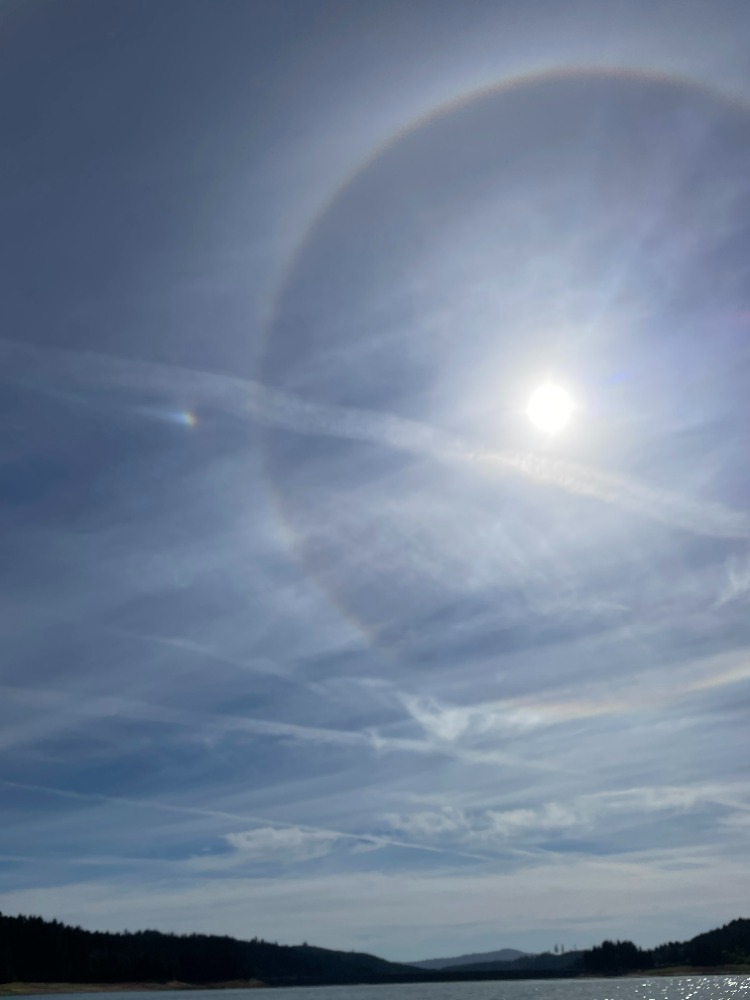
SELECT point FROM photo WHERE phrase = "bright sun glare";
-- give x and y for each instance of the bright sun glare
(550, 408)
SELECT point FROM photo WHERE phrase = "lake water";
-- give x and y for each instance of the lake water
(682, 988)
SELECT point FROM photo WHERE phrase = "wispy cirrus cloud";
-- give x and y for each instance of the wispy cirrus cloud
(269, 845)
(287, 844)
(579, 817)
(631, 694)
(736, 585)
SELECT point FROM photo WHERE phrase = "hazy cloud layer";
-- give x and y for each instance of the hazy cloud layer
(308, 634)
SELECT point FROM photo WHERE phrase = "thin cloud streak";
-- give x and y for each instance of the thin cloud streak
(43, 369)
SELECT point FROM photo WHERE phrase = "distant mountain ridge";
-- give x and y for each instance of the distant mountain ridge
(727, 947)
(504, 955)
(567, 961)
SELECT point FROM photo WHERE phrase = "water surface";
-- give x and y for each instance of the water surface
(678, 988)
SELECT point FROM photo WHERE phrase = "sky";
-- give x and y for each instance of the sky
(308, 633)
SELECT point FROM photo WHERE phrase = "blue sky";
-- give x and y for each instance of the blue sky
(308, 633)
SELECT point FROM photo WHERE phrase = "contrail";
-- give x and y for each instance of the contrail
(376, 840)
(44, 368)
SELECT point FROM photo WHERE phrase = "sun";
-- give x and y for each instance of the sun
(550, 408)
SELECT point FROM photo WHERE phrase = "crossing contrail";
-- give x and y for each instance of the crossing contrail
(46, 369)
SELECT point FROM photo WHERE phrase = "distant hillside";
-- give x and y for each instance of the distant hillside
(42, 951)
(504, 955)
(546, 962)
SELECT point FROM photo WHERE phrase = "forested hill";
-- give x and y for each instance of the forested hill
(42, 951)
(727, 945)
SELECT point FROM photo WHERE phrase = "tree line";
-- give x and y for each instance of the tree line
(727, 945)
(47, 951)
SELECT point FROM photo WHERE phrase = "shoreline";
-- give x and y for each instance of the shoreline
(689, 970)
(33, 989)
